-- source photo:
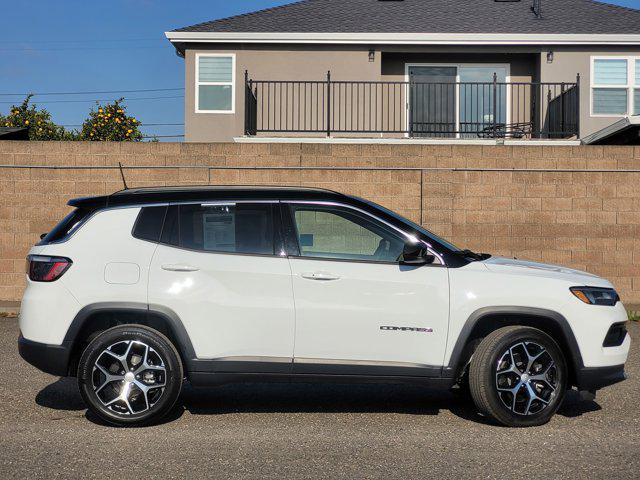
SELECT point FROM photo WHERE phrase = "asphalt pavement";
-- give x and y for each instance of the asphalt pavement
(309, 431)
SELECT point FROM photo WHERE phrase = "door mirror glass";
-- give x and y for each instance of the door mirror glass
(416, 255)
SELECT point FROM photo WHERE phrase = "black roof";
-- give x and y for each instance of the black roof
(139, 196)
(432, 16)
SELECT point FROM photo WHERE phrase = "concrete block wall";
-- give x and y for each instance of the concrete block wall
(576, 206)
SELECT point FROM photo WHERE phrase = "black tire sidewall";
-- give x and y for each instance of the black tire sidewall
(157, 341)
(498, 409)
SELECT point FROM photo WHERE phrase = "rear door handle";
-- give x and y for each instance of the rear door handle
(180, 268)
(322, 276)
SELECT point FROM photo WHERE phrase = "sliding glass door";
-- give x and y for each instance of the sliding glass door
(432, 90)
(478, 112)
(456, 101)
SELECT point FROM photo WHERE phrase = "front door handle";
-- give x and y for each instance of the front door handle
(180, 268)
(322, 276)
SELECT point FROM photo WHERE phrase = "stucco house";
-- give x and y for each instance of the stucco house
(450, 70)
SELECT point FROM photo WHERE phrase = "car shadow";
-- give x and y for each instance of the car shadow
(575, 406)
(63, 394)
(325, 398)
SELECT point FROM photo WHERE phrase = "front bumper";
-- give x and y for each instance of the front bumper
(595, 378)
(52, 359)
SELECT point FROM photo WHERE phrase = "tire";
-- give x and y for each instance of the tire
(138, 359)
(498, 369)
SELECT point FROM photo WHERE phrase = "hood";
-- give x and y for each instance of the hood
(523, 267)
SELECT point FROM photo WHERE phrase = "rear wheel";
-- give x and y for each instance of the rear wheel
(130, 375)
(518, 376)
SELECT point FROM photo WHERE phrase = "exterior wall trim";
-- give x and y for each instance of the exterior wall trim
(404, 38)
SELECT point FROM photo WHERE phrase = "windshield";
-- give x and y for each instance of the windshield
(417, 227)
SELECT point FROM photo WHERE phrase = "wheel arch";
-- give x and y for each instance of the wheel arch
(95, 318)
(486, 320)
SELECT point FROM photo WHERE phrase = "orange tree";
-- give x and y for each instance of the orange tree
(110, 122)
(39, 122)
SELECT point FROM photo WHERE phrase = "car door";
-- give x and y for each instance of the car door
(358, 310)
(219, 267)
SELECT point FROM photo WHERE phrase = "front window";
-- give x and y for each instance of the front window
(215, 83)
(615, 86)
(340, 233)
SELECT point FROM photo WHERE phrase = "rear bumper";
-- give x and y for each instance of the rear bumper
(52, 359)
(595, 378)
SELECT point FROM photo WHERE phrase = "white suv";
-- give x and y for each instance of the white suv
(136, 291)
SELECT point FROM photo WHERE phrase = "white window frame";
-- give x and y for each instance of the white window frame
(630, 85)
(198, 83)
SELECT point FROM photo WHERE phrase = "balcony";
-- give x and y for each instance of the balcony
(412, 109)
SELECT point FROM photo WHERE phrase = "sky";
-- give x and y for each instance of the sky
(51, 46)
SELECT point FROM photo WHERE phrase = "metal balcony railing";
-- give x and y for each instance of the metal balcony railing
(413, 108)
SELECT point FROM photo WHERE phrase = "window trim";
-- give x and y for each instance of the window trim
(198, 83)
(630, 86)
(407, 236)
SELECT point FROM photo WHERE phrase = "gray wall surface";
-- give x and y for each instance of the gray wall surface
(287, 63)
(309, 62)
(569, 61)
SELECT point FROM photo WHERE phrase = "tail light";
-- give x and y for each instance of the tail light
(41, 268)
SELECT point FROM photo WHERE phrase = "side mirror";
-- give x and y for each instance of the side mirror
(416, 255)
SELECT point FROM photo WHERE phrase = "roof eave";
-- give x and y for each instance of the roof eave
(403, 38)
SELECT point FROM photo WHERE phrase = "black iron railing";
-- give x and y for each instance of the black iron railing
(413, 108)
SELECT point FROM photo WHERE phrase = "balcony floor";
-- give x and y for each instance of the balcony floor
(406, 141)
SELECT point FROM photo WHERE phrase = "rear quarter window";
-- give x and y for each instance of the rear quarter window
(149, 223)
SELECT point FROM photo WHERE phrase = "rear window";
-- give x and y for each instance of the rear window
(149, 223)
(67, 226)
(235, 228)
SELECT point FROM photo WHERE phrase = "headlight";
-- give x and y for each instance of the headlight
(596, 295)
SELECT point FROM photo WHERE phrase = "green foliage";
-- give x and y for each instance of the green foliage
(110, 122)
(39, 122)
(634, 316)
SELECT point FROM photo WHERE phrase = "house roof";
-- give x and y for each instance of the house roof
(431, 16)
(19, 133)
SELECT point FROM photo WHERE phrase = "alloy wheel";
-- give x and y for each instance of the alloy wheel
(129, 377)
(526, 378)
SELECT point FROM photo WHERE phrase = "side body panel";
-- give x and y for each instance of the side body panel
(475, 287)
(372, 313)
(234, 307)
(109, 265)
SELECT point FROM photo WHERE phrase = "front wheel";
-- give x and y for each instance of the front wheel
(130, 375)
(518, 376)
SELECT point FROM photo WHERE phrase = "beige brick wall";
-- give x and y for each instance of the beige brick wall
(577, 206)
